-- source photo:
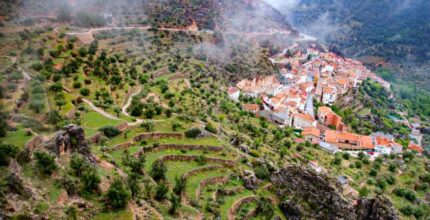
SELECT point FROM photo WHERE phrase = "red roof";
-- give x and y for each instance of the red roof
(251, 107)
(366, 142)
(232, 90)
(307, 117)
(415, 147)
(311, 131)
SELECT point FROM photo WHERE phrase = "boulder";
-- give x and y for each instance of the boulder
(379, 208)
(251, 182)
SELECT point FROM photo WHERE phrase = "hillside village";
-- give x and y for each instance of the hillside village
(287, 99)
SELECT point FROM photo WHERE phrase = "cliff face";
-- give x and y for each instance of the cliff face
(307, 194)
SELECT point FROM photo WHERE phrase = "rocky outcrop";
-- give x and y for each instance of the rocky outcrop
(379, 208)
(251, 182)
(307, 194)
(70, 139)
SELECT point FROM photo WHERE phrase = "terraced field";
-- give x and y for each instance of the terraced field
(213, 186)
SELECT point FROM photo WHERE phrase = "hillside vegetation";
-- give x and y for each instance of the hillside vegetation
(137, 124)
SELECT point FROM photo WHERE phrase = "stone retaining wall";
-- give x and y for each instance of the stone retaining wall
(157, 136)
(122, 146)
(210, 181)
(227, 163)
(237, 204)
(186, 147)
(201, 170)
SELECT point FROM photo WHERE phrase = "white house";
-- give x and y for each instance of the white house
(282, 118)
(329, 95)
(301, 121)
(233, 93)
(383, 149)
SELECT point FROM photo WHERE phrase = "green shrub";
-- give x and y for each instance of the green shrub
(6, 153)
(84, 91)
(110, 131)
(158, 170)
(45, 162)
(90, 179)
(373, 172)
(118, 195)
(209, 127)
(193, 133)
(161, 191)
(262, 172)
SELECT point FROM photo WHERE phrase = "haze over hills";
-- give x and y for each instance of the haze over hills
(204, 109)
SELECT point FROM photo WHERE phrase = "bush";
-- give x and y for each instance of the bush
(176, 125)
(180, 184)
(391, 180)
(407, 210)
(90, 179)
(265, 208)
(346, 156)
(410, 195)
(363, 191)
(84, 92)
(161, 191)
(337, 160)
(6, 153)
(148, 126)
(193, 133)
(176, 203)
(262, 172)
(358, 164)
(45, 162)
(136, 164)
(117, 195)
(77, 164)
(110, 131)
(373, 172)
(77, 85)
(392, 167)
(209, 127)
(158, 170)
(37, 66)
(381, 184)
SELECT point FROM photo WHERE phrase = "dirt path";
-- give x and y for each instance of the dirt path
(128, 102)
(101, 111)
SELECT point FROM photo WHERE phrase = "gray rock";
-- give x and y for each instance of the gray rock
(318, 196)
(251, 182)
(70, 139)
(379, 208)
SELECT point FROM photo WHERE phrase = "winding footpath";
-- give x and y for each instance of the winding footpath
(100, 111)
(123, 110)
(127, 104)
